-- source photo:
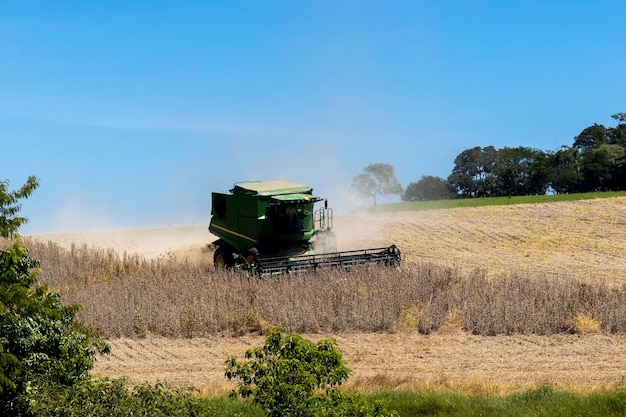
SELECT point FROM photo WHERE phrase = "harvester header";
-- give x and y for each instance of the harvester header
(273, 227)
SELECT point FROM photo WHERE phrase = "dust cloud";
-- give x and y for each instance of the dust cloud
(361, 230)
(358, 230)
(148, 242)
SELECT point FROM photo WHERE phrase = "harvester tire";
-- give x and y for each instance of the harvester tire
(223, 259)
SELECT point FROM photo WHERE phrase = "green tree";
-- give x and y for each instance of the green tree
(599, 166)
(617, 137)
(603, 160)
(520, 171)
(591, 138)
(378, 180)
(565, 175)
(473, 172)
(619, 117)
(10, 206)
(428, 188)
(292, 376)
(41, 346)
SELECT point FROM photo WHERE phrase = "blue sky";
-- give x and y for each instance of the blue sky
(132, 112)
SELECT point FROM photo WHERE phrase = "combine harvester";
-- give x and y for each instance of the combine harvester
(273, 227)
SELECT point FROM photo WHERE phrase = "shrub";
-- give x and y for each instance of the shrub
(112, 398)
(40, 343)
(292, 376)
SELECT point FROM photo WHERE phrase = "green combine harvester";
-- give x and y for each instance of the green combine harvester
(273, 227)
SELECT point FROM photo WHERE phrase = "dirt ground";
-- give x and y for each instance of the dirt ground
(583, 239)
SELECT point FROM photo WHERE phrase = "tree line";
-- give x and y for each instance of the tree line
(596, 161)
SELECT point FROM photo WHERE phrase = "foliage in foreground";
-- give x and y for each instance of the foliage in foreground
(40, 342)
(10, 206)
(113, 398)
(292, 376)
(100, 398)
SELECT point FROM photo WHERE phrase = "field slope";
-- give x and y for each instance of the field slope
(585, 238)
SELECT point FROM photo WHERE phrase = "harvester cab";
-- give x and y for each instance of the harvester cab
(273, 227)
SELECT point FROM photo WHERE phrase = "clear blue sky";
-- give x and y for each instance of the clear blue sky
(132, 112)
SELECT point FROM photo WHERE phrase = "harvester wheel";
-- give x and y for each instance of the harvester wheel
(223, 259)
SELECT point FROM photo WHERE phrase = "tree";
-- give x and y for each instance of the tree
(292, 376)
(617, 137)
(603, 161)
(591, 138)
(599, 166)
(10, 206)
(472, 175)
(565, 175)
(428, 188)
(378, 179)
(619, 117)
(41, 346)
(520, 171)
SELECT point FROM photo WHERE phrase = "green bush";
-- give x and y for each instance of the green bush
(113, 398)
(40, 343)
(292, 376)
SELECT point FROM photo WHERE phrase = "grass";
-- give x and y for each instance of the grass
(543, 401)
(491, 201)
(115, 398)
(540, 402)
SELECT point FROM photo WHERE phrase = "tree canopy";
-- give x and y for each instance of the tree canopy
(377, 180)
(473, 172)
(428, 188)
(10, 206)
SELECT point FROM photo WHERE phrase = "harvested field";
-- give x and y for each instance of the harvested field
(583, 241)
(585, 238)
(454, 361)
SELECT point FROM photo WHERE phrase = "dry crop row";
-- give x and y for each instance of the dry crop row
(130, 296)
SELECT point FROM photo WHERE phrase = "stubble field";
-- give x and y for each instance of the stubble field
(582, 242)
